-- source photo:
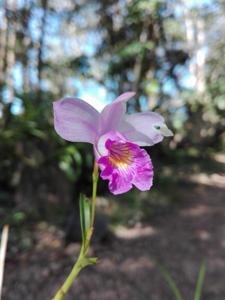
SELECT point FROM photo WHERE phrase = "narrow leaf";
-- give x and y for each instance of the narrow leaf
(87, 213)
(84, 216)
(171, 283)
(200, 281)
(82, 223)
(91, 260)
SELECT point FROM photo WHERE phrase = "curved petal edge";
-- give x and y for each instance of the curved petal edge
(75, 120)
(113, 113)
(145, 129)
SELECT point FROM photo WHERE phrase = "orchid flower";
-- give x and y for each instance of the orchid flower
(116, 137)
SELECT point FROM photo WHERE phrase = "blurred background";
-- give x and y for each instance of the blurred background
(171, 53)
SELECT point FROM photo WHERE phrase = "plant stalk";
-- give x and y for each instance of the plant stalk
(82, 260)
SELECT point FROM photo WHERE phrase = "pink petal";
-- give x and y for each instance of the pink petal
(144, 129)
(125, 165)
(75, 120)
(113, 113)
(144, 171)
(123, 97)
(119, 184)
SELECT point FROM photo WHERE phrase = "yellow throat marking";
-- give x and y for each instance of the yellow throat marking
(120, 155)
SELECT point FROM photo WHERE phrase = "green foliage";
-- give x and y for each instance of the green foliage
(15, 218)
(71, 155)
(134, 48)
(171, 283)
(176, 291)
(199, 283)
(85, 217)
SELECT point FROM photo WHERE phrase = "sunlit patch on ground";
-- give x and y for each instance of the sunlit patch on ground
(135, 232)
(217, 180)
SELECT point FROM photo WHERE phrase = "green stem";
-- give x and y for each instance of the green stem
(82, 260)
(95, 176)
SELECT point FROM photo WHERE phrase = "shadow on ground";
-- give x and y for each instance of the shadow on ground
(179, 240)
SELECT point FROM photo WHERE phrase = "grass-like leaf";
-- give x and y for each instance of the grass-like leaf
(171, 283)
(84, 216)
(200, 281)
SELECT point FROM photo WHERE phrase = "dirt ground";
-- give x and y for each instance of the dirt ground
(127, 270)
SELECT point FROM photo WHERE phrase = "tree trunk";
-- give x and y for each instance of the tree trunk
(41, 42)
(3, 41)
(26, 40)
(195, 38)
(138, 65)
(10, 55)
(10, 58)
